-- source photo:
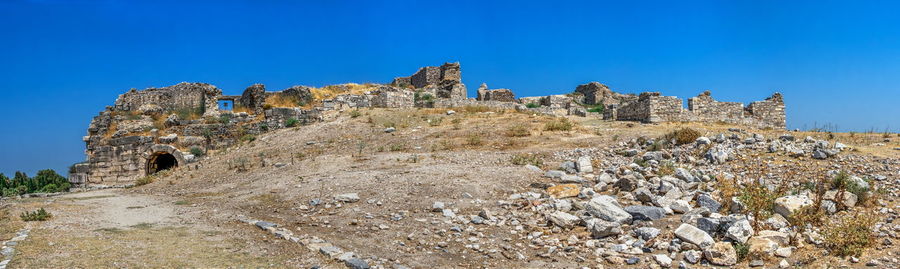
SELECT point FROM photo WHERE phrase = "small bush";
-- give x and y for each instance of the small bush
(523, 159)
(292, 122)
(248, 138)
(851, 234)
(225, 118)
(758, 201)
(532, 105)
(38, 215)
(145, 180)
(666, 168)
(518, 130)
(742, 250)
(435, 121)
(683, 136)
(197, 152)
(560, 124)
(398, 147)
(474, 140)
(355, 113)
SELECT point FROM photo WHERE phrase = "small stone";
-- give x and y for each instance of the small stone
(784, 252)
(583, 164)
(437, 207)
(757, 263)
(347, 197)
(784, 264)
(663, 260)
(693, 256)
(448, 213)
(721, 253)
(632, 261)
(356, 263)
(564, 190)
(680, 206)
(647, 233)
(601, 228)
(390, 129)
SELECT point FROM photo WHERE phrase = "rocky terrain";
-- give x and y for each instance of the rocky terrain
(490, 188)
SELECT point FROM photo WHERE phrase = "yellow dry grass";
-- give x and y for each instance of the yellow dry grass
(281, 100)
(332, 91)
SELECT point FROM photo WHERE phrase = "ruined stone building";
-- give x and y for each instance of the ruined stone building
(151, 130)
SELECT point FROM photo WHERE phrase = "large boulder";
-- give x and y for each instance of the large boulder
(649, 213)
(693, 235)
(787, 205)
(607, 208)
(740, 231)
(563, 219)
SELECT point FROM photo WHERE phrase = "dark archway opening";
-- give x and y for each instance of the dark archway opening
(160, 162)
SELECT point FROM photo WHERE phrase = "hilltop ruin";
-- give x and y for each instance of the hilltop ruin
(155, 129)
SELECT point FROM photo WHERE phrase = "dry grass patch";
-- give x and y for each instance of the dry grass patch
(851, 234)
(559, 124)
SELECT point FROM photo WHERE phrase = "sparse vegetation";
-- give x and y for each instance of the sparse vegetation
(851, 234)
(666, 168)
(559, 124)
(284, 100)
(523, 159)
(474, 140)
(248, 138)
(355, 113)
(758, 201)
(38, 215)
(532, 105)
(291, 122)
(197, 152)
(518, 130)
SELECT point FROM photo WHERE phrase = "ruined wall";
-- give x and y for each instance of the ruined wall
(445, 81)
(502, 95)
(253, 98)
(200, 96)
(770, 112)
(705, 108)
(596, 93)
(118, 161)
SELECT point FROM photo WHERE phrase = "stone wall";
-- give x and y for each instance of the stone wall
(199, 96)
(770, 112)
(596, 93)
(705, 108)
(502, 95)
(445, 81)
(253, 98)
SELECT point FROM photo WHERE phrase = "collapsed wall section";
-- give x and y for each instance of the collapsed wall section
(769, 112)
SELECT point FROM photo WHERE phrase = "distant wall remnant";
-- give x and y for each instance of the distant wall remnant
(502, 95)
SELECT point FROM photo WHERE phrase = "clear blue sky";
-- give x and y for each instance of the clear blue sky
(62, 61)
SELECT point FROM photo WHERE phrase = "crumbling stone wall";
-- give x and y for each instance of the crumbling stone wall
(596, 93)
(200, 96)
(705, 108)
(769, 112)
(502, 95)
(651, 107)
(253, 98)
(445, 81)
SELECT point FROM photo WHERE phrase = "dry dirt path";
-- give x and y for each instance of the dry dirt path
(114, 228)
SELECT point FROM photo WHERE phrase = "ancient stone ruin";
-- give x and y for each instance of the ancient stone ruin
(156, 129)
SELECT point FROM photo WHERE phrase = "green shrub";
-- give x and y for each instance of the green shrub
(248, 138)
(197, 152)
(742, 250)
(398, 147)
(474, 140)
(758, 201)
(532, 105)
(559, 124)
(355, 113)
(225, 118)
(292, 122)
(38, 215)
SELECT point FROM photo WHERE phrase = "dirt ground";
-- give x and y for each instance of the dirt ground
(188, 218)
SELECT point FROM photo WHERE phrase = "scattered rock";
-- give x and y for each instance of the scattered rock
(721, 253)
(347, 197)
(564, 190)
(695, 236)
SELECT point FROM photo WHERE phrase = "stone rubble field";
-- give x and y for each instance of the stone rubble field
(432, 189)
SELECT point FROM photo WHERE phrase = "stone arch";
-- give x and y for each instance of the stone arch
(162, 157)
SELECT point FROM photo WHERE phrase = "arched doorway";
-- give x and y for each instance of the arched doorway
(161, 161)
